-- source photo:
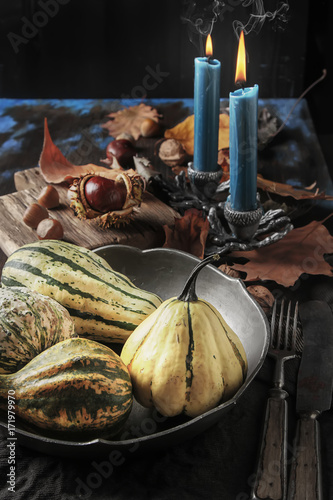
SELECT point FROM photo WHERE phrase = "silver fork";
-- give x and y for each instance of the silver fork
(271, 475)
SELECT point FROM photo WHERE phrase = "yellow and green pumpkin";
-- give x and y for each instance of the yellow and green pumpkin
(184, 357)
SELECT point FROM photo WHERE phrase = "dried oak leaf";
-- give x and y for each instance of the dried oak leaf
(189, 233)
(288, 190)
(300, 251)
(184, 133)
(55, 168)
(129, 120)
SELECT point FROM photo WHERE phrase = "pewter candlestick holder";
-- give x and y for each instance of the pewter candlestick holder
(243, 224)
(204, 184)
(247, 231)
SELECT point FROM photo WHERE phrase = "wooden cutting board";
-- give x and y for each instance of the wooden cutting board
(145, 231)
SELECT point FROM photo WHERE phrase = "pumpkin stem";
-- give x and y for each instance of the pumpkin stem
(188, 294)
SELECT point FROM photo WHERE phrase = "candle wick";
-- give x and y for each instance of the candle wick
(241, 84)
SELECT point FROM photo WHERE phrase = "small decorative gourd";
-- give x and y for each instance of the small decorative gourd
(77, 386)
(184, 358)
(29, 323)
(104, 304)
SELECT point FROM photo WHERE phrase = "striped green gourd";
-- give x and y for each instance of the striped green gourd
(77, 386)
(105, 305)
(29, 324)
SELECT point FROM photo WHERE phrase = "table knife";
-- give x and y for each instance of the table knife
(314, 395)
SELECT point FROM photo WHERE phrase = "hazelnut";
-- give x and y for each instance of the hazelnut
(149, 128)
(172, 153)
(50, 229)
(34, 214)
(49, 197)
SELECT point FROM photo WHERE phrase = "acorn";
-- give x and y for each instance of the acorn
(110, 201)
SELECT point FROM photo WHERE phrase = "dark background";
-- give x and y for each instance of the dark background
(103, 48)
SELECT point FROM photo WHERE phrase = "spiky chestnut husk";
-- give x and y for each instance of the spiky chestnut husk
(134, 185)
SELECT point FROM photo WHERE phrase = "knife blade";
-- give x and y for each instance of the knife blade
(314, 395)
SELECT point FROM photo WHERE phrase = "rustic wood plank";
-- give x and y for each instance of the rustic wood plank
(145, 230)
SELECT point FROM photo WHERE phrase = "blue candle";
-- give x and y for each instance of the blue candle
(206, 113)
(243, 142)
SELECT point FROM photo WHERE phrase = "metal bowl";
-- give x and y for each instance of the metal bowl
(164, 272)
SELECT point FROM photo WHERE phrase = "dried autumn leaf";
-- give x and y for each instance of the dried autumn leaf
(129, 120)
(229, 271)
(223, 159)
(288, 190)
(56, 168)
(263, 296)
(188, 234)
(184, 133)
(300, 251)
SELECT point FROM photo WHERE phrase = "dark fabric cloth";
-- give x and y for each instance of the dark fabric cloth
(217, 464)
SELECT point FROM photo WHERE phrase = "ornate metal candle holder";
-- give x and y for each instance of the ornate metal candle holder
(243, 224)
(273, 226)
(243, 231)
(229, 230)
(204, 184)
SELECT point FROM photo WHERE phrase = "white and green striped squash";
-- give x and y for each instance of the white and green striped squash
(29, 324)
(105, 305)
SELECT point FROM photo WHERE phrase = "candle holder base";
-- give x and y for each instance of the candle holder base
(204, 184)
(243, 225)
(273, 225)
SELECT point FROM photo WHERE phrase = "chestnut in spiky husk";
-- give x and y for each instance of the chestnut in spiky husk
(110, 201)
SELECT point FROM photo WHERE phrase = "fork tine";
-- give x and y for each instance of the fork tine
(294, 330)
(273, 320)
(286, 330)
(279, 331)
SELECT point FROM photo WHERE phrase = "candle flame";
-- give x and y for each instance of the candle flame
(241, 60)
(209, 46)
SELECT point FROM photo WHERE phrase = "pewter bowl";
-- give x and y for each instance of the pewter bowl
(164, 271)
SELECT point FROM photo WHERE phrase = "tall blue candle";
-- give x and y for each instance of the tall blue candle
(206, 111)
(243, 141)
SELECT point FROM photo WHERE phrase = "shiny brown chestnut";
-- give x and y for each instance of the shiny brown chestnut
(105, 195)
(119, 197)
(123, 150)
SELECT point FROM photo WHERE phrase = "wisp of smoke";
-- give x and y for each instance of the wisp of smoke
(200, 18)
(259, 16)
(201, 15)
